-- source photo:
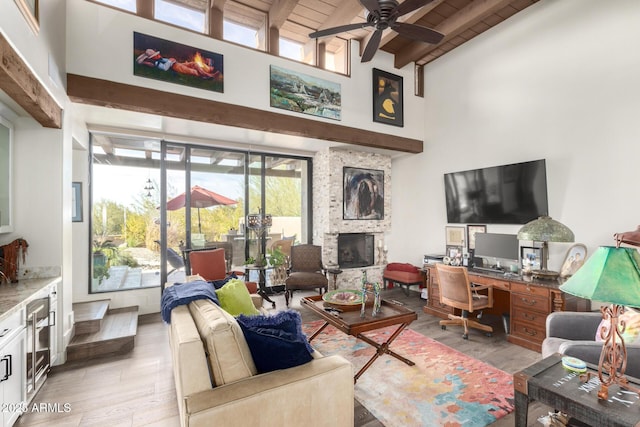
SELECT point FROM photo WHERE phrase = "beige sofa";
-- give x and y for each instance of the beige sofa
(217, 382)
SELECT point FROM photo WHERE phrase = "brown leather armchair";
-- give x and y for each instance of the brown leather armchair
(307, 271)
(456, 291)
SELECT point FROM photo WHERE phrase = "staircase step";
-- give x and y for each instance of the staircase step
(88, 315)
(116, 336)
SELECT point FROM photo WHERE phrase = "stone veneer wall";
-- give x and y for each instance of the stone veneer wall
(327, 210)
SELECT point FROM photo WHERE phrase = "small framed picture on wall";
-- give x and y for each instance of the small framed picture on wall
(387, 98)
(472, 230)
(454, 236)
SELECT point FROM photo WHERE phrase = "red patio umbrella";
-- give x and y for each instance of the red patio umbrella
(200, 198)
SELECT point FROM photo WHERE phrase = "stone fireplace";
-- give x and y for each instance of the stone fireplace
(328, 216)
(355, 250)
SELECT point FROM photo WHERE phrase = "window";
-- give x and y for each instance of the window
(126, 207)
(180, 15)
(292, 50)
(336, 55)
(245, 25)
(129, 5)
(240, 34)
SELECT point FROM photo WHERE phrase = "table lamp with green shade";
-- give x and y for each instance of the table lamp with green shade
(545, 229)
(611, 275)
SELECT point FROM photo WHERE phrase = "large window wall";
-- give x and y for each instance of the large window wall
(140, 241)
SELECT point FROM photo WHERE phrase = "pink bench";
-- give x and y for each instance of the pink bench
(403, 274)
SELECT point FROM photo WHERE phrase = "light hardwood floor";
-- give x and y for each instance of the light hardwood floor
(137, 389)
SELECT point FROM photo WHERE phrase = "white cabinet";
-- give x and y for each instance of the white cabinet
(12, 368)
(53, 322)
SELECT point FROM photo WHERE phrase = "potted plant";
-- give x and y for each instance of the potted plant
(103, 252)
(280, 263)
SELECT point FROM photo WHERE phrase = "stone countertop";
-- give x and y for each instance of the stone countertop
(14, 296)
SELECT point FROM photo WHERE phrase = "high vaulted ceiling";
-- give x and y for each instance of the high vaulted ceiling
(458, 20)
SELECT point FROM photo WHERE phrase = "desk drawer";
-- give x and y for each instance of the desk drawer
(528, 331)
(529, 289)
(489, 281)
(528, 302)
(536, 319)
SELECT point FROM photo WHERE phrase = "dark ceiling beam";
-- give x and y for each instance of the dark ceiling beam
(106, 93)
(409, 18)
(18, 81)
(459, 22)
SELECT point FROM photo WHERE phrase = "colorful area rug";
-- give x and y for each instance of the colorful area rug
(444, 388)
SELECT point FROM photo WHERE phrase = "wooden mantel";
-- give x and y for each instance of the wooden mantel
(106, 93)
(18, 81)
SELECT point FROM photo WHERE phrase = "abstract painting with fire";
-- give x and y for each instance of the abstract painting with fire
(172, 62)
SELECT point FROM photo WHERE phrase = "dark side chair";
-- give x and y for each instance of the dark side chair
(307, 271)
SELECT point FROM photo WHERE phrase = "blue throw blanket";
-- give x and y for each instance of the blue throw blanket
(184, 293)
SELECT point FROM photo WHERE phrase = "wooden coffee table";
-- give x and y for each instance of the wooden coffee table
(350, 322)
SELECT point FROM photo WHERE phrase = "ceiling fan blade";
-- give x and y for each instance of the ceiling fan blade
(411, 5)
(372, 46)
(371, 5)
(340, 29)
(416, 32)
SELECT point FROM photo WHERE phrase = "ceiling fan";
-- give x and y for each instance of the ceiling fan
(382, 15)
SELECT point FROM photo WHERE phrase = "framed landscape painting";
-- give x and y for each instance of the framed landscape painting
(363, 193)
(160, 59)
(387, 98)
(305, 94)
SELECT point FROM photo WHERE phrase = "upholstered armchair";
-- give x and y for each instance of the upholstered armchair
(574, 333)
(456, 291)
(307, 271)
(210, 264)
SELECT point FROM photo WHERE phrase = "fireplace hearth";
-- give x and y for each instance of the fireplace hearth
(355, 250)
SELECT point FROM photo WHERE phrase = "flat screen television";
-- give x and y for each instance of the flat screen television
(508, 194)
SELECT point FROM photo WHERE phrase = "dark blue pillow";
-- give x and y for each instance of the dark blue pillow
(217, 284)
(277, 341)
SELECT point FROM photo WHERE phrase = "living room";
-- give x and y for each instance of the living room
(555, 81)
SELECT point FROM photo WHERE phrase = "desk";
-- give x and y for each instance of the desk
(548, 382)
(526, 300)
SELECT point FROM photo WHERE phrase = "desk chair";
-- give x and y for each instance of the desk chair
(307, 271)
(457, 291)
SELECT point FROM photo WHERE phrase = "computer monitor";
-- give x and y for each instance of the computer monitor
(495, 245)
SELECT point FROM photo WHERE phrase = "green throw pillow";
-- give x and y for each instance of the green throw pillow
(235, 299)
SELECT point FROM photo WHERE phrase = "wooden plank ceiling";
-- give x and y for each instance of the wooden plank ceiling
(458, 20)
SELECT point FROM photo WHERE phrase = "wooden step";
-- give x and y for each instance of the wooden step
(116, 336)
(88, 316)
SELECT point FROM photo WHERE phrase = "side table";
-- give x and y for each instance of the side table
(548, 382)
(334, 273)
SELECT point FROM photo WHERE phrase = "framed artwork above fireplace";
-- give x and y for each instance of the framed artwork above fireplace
(363, 196)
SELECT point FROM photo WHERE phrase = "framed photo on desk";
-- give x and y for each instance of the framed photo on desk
(530, 257)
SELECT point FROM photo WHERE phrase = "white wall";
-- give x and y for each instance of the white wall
(100, 45)
(557, 81)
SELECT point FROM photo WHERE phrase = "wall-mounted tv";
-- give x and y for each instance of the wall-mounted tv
(508, 194)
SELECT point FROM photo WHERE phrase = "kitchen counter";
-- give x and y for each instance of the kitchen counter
(14, 296)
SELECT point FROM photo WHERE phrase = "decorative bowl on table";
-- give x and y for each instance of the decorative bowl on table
(345, 299)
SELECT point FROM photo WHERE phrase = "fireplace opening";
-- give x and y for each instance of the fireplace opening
(355, 250)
